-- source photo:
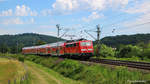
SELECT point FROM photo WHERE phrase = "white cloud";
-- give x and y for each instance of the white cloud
(96, 4)
(17, 20)
(139, 8)
(93, 16)
(117, 3)
(139, 25)
(22, 10)
(6, 13)
(32, 20)
(67, 6)
(140, 20)
(12, 21)
(46, 12)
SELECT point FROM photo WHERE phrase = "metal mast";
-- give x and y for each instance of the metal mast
(98, 39)
(58, 30)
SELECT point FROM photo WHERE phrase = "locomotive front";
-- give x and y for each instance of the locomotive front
(86, 48)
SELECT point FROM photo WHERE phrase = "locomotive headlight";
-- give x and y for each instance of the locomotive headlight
(90, 49)
(86, 49)
(83, 49)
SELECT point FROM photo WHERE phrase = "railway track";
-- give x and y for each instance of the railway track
(132, 64)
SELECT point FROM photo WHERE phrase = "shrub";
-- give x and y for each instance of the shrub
(105, 51)
(38, 60)
(21, 58)
(146, 53)
(69, 68)
(129, 51)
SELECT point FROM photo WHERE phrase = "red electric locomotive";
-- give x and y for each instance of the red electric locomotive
(75, 48)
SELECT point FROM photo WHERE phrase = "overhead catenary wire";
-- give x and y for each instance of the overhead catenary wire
(137, 25)
(64, 33)
(117, 22)
(134, 26)
(113, 23)
(90, 35)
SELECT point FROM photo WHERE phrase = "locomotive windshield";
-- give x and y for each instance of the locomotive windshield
(86, 44)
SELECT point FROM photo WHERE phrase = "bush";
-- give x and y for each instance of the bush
(38, 60)
(21, 58)
(106, 51)
(69, 68)
(146, 53)
(129, 51)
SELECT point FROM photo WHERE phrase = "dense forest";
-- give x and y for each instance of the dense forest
(14, 43)
(118, 40)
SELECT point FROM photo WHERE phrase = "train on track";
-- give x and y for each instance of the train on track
(75, 49)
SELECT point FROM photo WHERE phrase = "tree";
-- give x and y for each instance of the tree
(125, 39)
(4, 48)
(129, 51)
(146, 51)
(106, 51)
(16, 48)
(142, 45)
(40, 42)
(13, 49)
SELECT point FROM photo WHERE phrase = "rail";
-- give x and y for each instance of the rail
(133, 64)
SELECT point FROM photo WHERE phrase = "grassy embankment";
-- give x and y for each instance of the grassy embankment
(13, 71)
(91, 74)
(38, 73)
(44, 75)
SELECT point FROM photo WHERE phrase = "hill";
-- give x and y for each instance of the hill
(27, 39)
(126, 39)
(11, 42)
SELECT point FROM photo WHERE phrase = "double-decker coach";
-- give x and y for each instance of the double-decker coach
(74, 48)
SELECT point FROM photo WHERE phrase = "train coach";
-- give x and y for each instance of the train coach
(75, 49)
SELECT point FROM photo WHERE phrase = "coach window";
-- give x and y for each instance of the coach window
(88, 43)
(67, 45)
(74, 45)
(83, 44)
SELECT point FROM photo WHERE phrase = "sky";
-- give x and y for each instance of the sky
(115, 17)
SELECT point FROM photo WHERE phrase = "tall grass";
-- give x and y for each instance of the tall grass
(12, 71)
(97, 74)
(91, 74)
